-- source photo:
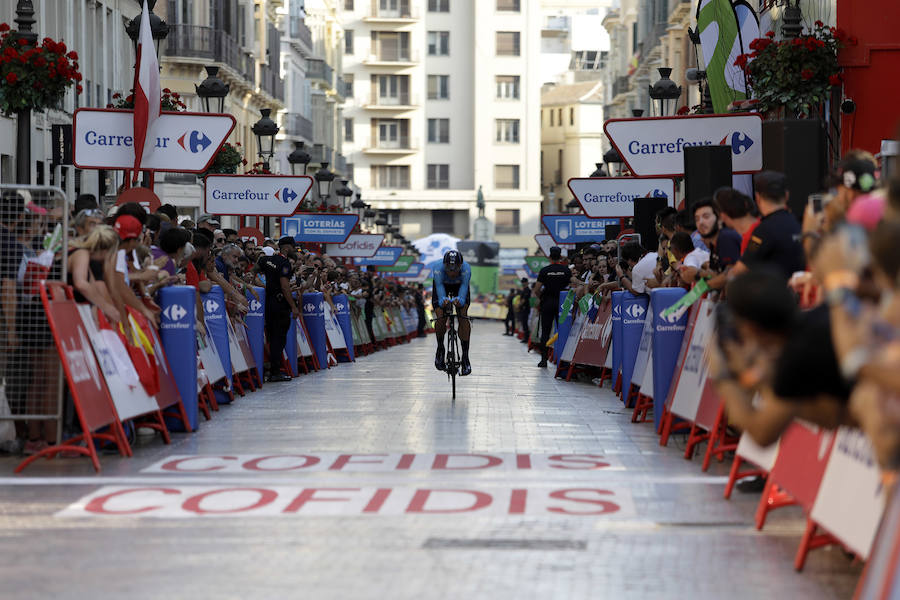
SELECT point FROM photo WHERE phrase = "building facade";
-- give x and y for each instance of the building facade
(571, 138)
(574, 44)
(444, 94)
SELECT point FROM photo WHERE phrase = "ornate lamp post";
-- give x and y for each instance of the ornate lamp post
(159, 29)
(213, 91)
(614, 161)
(369, 216)
(600, 171)
(359, 206)
(345, 193)
(265, 130)
(665, 93)
(324, 179)
(792, 25)
(25, 21)
(299, 156)
(573, 206)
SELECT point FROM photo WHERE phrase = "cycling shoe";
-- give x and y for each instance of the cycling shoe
(439, 363)
(466, 368)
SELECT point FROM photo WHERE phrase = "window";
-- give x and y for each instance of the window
(438, 87)
(348, 4)
(551, 117)
(438, 43)
(508, 43)
(439, 131)
(507, 131)
(507, 87)
(559, 117)
(348, 130)
(506, 177)
(438, 5)
(391, 46)
(390, 176)
(571, 116)
(391, 90)
(442, 221)
(348, 41)
(391, 133)
(438, 177)
(507, 221)
(508, 5)
(348, 79)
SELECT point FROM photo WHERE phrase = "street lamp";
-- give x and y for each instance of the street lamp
(299, 156)
(637, 113)
(792, 22)
(25, 21)
(369, 216)
(359, 206)
(265, 130)
(614, 161)
(213, 91)
(324, 178)
(159, 29)
(600, 171)
(573, 206)
(345, 194)
(665, 93)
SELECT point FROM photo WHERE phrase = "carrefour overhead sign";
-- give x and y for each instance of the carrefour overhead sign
(615, 196)
(259, 195)
(655, 146)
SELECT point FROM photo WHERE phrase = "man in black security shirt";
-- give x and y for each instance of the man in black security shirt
(280, 306)
(775, 243)
(552, 279)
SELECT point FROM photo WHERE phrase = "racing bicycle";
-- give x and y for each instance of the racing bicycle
(452, 361)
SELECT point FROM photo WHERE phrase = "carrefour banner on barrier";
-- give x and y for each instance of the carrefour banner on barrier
(386, 256)
(319, 228)
(573, 229)
(614, 196)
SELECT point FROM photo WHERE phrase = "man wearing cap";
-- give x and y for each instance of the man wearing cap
(775, 243)
(208, 222)
(280, 305)
(130, 229)
(552, 279)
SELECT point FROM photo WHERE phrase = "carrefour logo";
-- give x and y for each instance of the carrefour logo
(617, 311)
(340, 306)
(175, 312)
(211, 306)
(739, 142)
(194, 141)
(286, 195)
(309, 307)
(255, 305)
(635, 310)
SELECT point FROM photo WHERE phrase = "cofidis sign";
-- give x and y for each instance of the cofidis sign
(655, 146)
(363, 245)
(615, 196)
(258, 195)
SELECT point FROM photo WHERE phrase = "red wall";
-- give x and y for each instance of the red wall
(871, 72)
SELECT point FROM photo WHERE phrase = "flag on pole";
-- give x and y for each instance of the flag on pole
(146, 92)
(718, 28)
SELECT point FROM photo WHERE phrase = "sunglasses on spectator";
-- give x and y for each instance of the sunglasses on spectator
(91, 212)
(220, 239)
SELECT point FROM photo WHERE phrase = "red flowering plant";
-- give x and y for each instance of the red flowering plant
(227, 159)
(169, 100)
(34, 78)
(797, 74)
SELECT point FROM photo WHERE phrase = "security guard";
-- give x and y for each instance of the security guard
(280, 305)
(551, 280)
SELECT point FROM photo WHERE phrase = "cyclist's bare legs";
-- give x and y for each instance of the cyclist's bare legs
(440, 328)
(465, 331)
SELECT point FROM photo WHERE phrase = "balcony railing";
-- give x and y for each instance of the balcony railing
(299, 31)
(402, 145)
(403, 56)
(211, 45)
(343, 88)
(620, 85)
(399, 102)
(316, 68)
(271, 82)
(340, 164)
(320, 153)
(297, 125)
(404, 13)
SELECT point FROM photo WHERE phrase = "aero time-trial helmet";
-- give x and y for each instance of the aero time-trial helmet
(453, 260)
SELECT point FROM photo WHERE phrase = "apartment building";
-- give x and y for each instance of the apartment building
(574, 45)
(445, 98)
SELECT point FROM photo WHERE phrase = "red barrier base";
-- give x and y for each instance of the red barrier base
(669, 426)
(89, 449)
(631, 397)
(736, 474)
(642, 407)
(719, 440)
(605, 374)
(617, 388)
(773, 497)
(810, 541)
(158, 423)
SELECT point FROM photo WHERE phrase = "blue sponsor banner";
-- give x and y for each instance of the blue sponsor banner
(414, 270)
(178, 335)
(562, 328)
(667, 335)
(255, 319)
(387, 256)
(616, 335)
(342, 312)
(319, 228)
(313, 309)
(634, 313)
(572, 229)
(214, 311)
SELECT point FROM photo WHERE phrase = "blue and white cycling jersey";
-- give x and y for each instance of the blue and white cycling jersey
(446, 286)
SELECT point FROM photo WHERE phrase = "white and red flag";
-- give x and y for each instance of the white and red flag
(146, 92)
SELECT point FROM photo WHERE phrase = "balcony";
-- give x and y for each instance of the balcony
(271, 82)
(402, 145)
(298, 30)
(395, 58)
(340, 165)
(401, 102)
(318, 69)
(343, 88)
(320, 153)
(296, 125)
(403, 14)
(207, 45)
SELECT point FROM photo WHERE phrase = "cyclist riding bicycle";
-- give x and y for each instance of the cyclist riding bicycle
(451, 284)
